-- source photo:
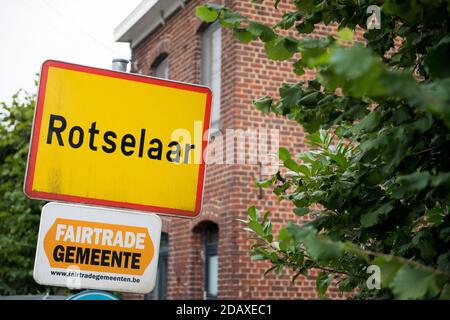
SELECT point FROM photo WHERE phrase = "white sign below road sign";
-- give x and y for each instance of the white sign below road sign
(83, 247)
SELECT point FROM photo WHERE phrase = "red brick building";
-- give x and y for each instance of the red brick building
(208, 257)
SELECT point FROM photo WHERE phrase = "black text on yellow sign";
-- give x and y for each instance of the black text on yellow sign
(110, 142)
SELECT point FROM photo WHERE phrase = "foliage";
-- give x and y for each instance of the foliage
(377, 174)
(19, 216)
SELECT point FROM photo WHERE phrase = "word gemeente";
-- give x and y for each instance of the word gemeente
(128, 144)
(98, 247)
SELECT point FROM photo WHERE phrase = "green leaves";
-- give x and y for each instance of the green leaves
(210, 12)
(301, 211)
(324, 250)
(206, 13)
(277, 48)
(267, 182)
(414, 283)
(288, 20)
(408, 281)
(263, 104)
(388, 268)
(305, 7)
(323, 280)
(345, 34)
(280, 48)
(243, 35)
(290, 95)
(318, 247)
(353, 62)
(435, 216)
(288, 162)
(369, 123)
(284, 154)
(230, 18)
(305, 27)
(414, 182)
(375, 164)
(291, 165)
(252, 214)
(262, 227)
(436, 63)
(371, 218)
(355, 70)
(19, 216)
(262, 31)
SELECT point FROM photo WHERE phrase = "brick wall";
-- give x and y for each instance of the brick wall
(229, 189)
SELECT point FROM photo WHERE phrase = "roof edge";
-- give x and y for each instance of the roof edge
(145, 18)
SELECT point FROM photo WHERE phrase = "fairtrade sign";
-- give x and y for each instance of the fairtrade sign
(97, 248)
(118, 139)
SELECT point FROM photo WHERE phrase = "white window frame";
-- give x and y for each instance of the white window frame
(160, 67)
(207, 67)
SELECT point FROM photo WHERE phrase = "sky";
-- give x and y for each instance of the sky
(77, 31)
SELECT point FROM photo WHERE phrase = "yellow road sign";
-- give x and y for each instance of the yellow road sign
(118, 139)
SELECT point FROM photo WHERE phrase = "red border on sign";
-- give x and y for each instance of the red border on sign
(28, 188)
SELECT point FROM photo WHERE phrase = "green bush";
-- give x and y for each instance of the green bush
(378, 165)
(19, 216)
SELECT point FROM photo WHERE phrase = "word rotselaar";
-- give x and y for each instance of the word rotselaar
(128, 144)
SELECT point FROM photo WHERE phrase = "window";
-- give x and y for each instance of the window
(211, 67)
(160, 67)
(160, 291)
(211, 239)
